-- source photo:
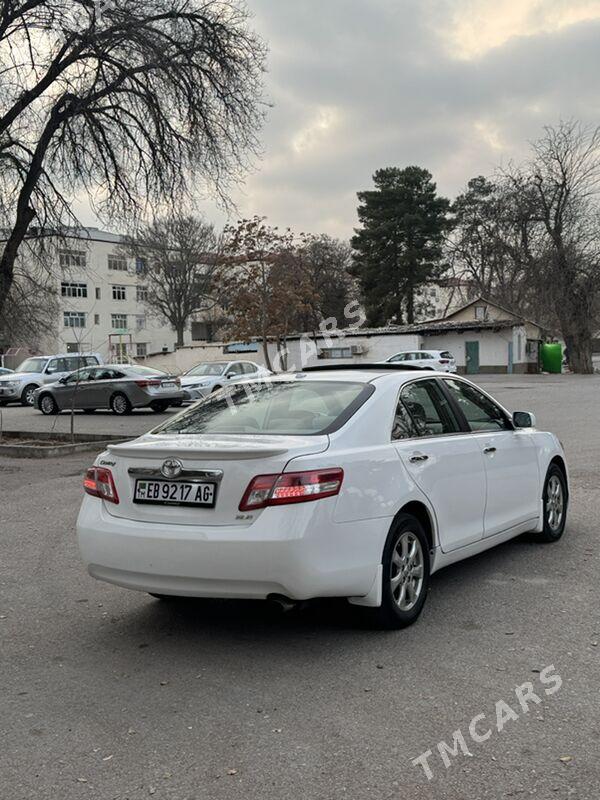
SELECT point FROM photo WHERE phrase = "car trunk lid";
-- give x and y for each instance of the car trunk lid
(230, 461)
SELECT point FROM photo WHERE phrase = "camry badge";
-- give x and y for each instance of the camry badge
(171, 468)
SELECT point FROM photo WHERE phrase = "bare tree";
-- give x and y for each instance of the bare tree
(264, 288)
(565, 173)
(179, 263)
(326, 263)
(130, 102)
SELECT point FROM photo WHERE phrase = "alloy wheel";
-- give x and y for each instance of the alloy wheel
(120, 404)
(555, 502)
(47, 404)
(407, 573)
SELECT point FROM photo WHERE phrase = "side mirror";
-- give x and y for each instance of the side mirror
(230, 375)
(523, 419)
(63, 380)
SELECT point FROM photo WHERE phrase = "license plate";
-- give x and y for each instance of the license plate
(168, 385)
(175, 493)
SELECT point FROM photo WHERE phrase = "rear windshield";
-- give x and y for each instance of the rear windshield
(138, 369)
(295, 407)
(446, 354)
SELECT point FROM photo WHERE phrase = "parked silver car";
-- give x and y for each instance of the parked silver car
(210, 376)
(20, 385)
(120, 387)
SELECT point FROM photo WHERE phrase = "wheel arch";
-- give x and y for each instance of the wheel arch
(425, 517)
(561, 464)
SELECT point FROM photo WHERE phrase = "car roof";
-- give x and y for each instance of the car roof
(358, 373)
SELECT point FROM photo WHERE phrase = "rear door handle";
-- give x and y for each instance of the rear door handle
(489, 449)
(417, 457)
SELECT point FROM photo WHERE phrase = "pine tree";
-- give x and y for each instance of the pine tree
(399, 246)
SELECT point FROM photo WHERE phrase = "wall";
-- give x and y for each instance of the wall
(493, 348)
(301, 352)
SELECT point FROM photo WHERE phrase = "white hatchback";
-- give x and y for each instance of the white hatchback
(441, 360)
(333, 482)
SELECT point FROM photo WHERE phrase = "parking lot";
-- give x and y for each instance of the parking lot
(111, 694)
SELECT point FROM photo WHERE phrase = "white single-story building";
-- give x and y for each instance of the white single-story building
(481, 335)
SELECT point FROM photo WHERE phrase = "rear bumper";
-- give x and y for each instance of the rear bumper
(296, 551)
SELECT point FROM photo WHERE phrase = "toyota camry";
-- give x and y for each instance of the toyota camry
(353, 482)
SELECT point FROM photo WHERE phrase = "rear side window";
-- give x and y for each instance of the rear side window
(481, 413)
(423, 403)
(294, 407)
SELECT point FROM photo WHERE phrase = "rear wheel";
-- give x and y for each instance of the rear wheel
(555, 505)
(48, 404)
(405, 575)
(159, 406)
(27, 394)
(120, 404)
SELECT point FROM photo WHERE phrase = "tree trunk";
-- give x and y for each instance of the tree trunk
(579, 352)
(265, 348)
(180, 329)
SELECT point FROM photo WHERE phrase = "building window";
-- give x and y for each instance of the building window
(70, 289)
(96, 319)
(141, 294)
(98, 293)
(118, 321)
(141, 349)
(336, 352)
(74, 319)
(117, 263)
(140, 266)
(119, 293)
(140, 322)
(72, 258)
(481, 312)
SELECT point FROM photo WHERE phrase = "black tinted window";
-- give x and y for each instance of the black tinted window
(428, 409)
(481, 413)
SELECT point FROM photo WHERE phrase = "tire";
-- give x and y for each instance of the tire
(47, 404)
(120, 405)
(556, 500)
(176, 404)
(27, 394)
(159, 406)
(89, 410)
(400, 606)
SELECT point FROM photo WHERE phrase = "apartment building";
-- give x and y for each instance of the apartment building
(101, 300)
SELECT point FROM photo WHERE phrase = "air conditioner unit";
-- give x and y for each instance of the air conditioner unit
(357, 349)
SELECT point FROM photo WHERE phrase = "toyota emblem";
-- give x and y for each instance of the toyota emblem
(171, 468)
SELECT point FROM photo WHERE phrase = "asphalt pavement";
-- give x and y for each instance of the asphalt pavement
(106, 693)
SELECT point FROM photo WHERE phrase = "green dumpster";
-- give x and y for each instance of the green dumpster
(552, 357)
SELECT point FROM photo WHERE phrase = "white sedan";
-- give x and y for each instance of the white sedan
(210, 376)
(333, 482)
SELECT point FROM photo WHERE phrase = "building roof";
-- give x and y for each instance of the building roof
(488, 301)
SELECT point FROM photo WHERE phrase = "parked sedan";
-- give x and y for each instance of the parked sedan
(210, 376)
(120, 387)
(351, 482)
(441, 360)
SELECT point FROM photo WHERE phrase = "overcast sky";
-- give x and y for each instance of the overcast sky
(456, 86)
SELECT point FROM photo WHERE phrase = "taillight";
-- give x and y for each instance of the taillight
(444, 361)
(291, 487)
(143, 384)
(99, 482)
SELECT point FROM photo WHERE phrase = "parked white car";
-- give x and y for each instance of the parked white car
(210, 376)
(342, 482)
(20, 385)
(441, 360)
